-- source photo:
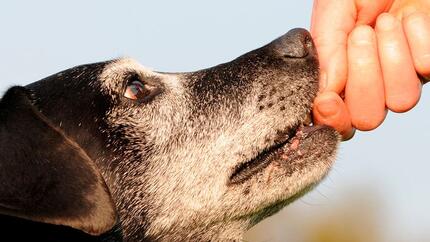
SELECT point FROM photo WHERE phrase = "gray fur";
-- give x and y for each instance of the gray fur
(171, 182)
(191, 158)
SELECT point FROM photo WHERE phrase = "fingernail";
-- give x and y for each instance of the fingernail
(416, 22)
(386, 22)
(346, 137)
(362, 36)
(323, 81)
(327, 108)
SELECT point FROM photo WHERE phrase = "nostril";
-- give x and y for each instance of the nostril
(308, 42)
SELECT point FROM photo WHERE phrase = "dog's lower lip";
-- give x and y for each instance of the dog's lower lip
(247, 169)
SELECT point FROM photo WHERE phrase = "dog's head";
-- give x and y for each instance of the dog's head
(205, 154)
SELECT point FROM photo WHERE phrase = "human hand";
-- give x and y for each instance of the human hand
(371, 51)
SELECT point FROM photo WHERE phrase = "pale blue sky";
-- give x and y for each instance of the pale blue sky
(39, 38)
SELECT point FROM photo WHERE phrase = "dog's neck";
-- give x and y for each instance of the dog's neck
(231, 231)
(133, 227)
(225, 231)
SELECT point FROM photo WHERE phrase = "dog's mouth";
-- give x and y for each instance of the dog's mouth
(286, 148)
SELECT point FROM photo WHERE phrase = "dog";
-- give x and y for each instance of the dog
(113, 151)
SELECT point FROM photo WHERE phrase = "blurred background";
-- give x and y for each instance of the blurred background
(377, 191)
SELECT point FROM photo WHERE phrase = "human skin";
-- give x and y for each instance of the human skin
(371, 53)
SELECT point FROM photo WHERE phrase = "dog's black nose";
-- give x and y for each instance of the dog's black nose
(297, 43)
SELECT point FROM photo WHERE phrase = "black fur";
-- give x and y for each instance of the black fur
(42, 175)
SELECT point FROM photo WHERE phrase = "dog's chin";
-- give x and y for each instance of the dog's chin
(288, 151)
(286, 170)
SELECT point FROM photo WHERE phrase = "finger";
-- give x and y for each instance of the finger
(331, 23)
(329, 109)
(364, 92)
(402, 86)
(417, 30)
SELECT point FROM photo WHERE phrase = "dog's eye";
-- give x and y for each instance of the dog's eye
(136, 90)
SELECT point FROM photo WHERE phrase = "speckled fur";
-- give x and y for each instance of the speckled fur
(190, 150)
(168, 162)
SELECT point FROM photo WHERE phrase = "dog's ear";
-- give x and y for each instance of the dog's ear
(45, 176)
